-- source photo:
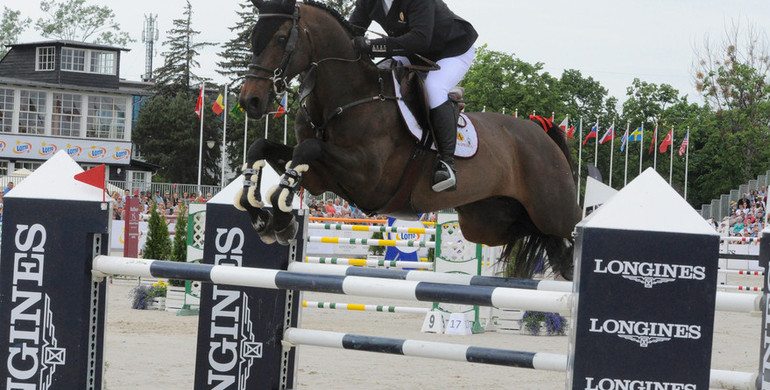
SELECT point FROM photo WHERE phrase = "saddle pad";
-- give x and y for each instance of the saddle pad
(467, 138)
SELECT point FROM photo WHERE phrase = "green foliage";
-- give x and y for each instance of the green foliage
(167, 133)
(377, 250)
(345, 7)
(10, 27)
(179, 251)
(74, 20)
(158, 244)
(176, 75)
(236, 55)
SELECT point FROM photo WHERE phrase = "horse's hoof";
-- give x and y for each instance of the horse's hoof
(284, 236)
(262, 221)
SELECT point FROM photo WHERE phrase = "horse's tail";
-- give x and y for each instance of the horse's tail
(559, 136)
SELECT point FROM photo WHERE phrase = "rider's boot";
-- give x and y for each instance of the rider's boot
(444, 121)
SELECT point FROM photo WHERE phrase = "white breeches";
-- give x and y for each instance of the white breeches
(440, 82)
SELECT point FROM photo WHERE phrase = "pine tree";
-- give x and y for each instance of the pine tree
(237, 51)
(158, 244)
(179, 252)
(176, 75)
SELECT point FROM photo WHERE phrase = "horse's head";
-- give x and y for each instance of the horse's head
(279, 53)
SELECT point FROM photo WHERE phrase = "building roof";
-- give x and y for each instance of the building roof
(126, 87)
(66, 42)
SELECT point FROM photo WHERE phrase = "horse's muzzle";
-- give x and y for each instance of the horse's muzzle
(254, 106)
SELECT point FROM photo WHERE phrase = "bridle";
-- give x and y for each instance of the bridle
(281, 82)
(278, 75)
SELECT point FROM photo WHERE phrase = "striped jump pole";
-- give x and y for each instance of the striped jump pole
(501, 297)
(741, 272)
(740, 288)
(372, 242)
(739, 239)
(466, 353)
(366, 228)
(359, 307)
(420, 276)
(369, 263)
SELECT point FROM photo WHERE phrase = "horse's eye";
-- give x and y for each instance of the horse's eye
(281, 39)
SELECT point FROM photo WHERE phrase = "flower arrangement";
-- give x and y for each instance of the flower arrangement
(554, 323)
(142, 296)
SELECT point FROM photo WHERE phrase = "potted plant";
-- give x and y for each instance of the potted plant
(176, 287)
(538, 322)
(149, 297)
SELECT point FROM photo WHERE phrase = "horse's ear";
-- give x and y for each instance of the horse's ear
(258, 3)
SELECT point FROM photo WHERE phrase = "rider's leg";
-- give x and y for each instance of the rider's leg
(443, 115)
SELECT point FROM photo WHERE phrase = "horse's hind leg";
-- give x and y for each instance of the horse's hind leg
(249, 198)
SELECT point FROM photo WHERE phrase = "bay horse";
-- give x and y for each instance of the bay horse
(519, 190)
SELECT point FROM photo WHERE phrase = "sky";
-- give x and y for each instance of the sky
(611, 41)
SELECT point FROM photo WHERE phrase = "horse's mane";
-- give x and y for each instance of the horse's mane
(335, 14)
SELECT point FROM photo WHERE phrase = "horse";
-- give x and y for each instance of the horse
(519, 190)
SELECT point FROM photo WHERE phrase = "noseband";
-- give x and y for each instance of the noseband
(278, 78)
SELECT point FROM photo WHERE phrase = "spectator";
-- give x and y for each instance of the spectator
(126, 195)
(158, 198)
(355, 212)
(1, 207)
(345, 210)
(8, 188)
(175, 200)
(329, 210)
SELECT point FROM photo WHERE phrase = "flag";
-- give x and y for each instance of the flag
(565, 126)
(591, 134)
(666, 141)
(636, 135)
(683, 148)
(199, 104)
(218, 106)
(610, 134)
(236, 111)
(93, 177)
(654, 140)
(624, 141)
(281, 107)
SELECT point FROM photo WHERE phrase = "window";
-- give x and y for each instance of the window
(3, 167)
(73, 59)
(29, 165)
(66, 114)
(46, 58)
(6, 110)
(106, 117)
(138, 178)
(102, 62)
(31, 112)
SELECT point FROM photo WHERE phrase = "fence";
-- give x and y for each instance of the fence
(720, 207)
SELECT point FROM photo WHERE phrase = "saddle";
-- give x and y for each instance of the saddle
(413, 92)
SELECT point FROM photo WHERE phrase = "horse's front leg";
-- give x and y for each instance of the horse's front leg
(282, 195)
(249, 198)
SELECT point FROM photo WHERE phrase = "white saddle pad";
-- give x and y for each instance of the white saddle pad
(467, 139)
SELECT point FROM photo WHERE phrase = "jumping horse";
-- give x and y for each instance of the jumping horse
(518, 190)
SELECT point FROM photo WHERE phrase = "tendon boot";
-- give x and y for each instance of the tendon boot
(444, 121)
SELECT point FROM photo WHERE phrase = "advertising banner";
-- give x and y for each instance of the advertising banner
(91, 151)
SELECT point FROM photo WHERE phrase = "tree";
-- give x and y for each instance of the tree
(179, 250)
(236, 55)
(732, 76)
(167, 133)
(158, 245)
(176, 75)
(10, 28)
(73, 20)
(344, 7)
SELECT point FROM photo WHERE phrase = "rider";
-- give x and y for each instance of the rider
(429, 29)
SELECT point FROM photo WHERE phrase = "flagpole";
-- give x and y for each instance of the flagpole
(200, 143)
(641, 149)
(655, 146)
(612, 150)
(267, 120)
(671, 163)
(686, 162)
(245, 134)
(628, 143)
(224, 139)
(596, 146)
(580, 156)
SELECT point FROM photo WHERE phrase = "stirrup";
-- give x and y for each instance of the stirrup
(448, 184)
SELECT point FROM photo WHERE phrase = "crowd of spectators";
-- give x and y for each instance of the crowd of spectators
(747, 215)
(339, 208)
(167, 204)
